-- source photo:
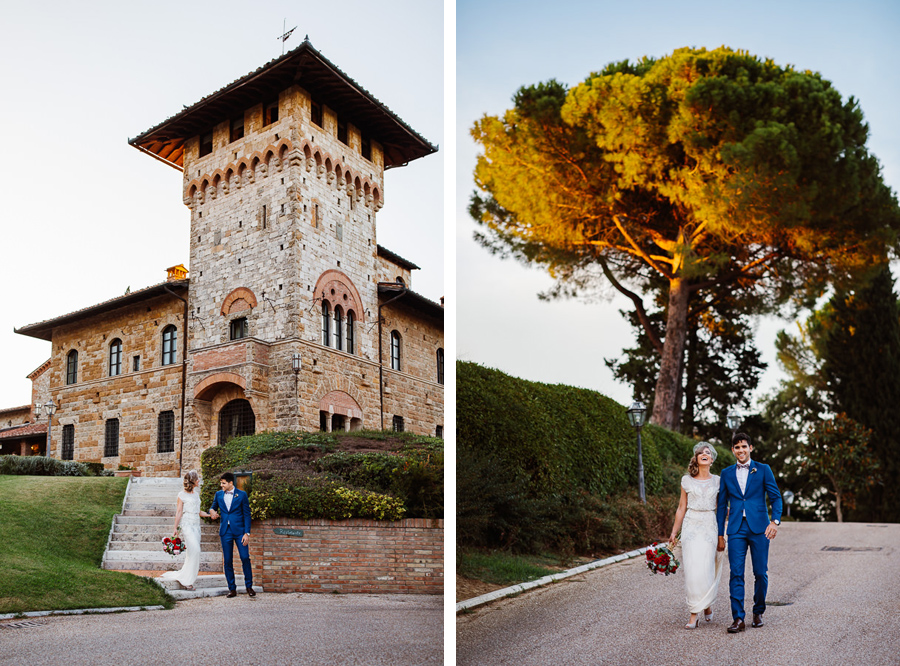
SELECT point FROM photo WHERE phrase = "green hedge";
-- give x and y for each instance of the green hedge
(537, 462)
(336, 485)
(44, 466)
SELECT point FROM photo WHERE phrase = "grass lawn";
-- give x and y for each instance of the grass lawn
(53, 532)
(502, 568)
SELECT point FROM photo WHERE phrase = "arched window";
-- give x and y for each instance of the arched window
(350, 347)
(236, 419)
(338, 327)
(165, 440)
(326, 325)
(170, 345)
(68, 442)
(395, 350)
(72, 367)
(115, 358)
(440, 366)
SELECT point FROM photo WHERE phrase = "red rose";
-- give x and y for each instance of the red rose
(650, 554)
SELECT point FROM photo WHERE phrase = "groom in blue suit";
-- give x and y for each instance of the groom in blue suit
(743, 489)
(234, 506)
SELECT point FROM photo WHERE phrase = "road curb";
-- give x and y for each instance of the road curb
(80, 611)
(546, 580)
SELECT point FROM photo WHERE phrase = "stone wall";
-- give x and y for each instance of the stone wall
(351, 556)
(134, 397)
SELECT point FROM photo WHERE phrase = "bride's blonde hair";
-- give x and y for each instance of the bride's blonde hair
(694, 466)
(191, 480)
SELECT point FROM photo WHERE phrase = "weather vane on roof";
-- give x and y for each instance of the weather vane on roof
(285, 34)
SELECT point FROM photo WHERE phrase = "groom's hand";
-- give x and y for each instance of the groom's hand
(213, 514)
(771, 531)
(245, 540)
(721, 546)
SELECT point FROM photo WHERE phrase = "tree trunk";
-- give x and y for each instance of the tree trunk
(837, 505)
(689, 380)
(664, 405)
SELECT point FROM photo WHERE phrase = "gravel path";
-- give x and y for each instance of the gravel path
(270, 630)
(826, 607)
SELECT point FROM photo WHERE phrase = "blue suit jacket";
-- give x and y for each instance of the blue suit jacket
(760, 484)
(236, 520)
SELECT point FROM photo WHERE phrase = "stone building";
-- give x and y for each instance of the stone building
(293, 316)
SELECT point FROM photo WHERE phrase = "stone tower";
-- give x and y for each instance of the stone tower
(283, 175)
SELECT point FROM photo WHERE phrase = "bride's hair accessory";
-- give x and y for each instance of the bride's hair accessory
(191, 480)
(703, 445)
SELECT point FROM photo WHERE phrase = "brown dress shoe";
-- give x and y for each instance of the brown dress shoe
(231, 594)
(757, 621)
(253, 594)
(736, 627)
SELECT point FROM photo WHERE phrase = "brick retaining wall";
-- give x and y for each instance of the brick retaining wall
(404, 556)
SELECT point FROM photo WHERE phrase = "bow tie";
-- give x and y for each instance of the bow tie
(740, 466)
(229, 492)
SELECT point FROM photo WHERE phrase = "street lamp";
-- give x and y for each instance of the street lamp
(788, 499)
(734, 420)
(296, 363)
(637, 416)
(50, 409)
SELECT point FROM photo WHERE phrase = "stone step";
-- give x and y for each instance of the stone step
(157, 535)
(150, 565)
(204, 586)
(155, 560)
(152, 543)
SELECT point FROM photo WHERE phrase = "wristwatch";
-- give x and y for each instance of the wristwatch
(777, 523)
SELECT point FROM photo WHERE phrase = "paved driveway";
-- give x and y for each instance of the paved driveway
(826, 607)
(270, 630)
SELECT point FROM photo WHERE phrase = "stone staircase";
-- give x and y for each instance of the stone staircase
(148, 515)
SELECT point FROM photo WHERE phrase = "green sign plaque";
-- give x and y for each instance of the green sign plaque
(288, 532)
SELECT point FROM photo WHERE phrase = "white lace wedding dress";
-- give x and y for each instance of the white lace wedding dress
(701, 563)
(190, 533)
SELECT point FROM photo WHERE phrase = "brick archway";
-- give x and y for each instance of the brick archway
(239, 299)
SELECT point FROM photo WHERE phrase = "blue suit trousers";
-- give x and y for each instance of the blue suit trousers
(758, 544)
(228, 542)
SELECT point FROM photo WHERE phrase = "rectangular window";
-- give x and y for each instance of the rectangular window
(439, 431)
(342, 131)
(398, 424)
(68, 442)
(111, 440)
(239, 328)
(237, 129)
(339, 230)
(265, 212)
(270, 113)
(115, 358)
(136, 364)
(72, 367)
(365, 147)
(315, 113)
(165, 442)
(206, 143)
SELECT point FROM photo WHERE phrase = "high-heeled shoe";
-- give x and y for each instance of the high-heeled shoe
(708, 616)
(694, 624)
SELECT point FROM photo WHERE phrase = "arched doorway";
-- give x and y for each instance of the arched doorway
(236, 419)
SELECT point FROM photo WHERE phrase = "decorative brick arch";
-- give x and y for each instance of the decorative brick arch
(239, 299)
(342, 286)
(207, 388)
(339, 402)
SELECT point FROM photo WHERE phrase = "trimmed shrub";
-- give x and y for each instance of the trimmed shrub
(41, 466)
(540, 466)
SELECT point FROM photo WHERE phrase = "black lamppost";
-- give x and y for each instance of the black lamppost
(734, 420)
(50, 409)
(788, 500)
(637, 416)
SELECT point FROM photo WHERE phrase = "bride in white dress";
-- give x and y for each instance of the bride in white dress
(188, 515)
(701, 563)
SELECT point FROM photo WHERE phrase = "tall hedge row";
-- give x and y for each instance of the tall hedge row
(533, 460)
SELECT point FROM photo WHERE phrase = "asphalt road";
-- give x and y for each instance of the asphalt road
(825, 607)
(270, 630)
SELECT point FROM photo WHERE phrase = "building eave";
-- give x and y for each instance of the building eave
(303, 66)
(43, 330)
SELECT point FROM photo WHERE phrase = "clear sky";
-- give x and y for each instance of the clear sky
(85, 216)
(502, 46)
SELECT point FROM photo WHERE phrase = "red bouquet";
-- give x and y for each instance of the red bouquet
(661, 559)
(174, 546)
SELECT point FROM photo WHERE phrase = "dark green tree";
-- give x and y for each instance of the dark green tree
(862, 365)
(703, 170)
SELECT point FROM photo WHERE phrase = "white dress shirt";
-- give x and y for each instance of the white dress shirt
(229, 495)
(742, 476)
